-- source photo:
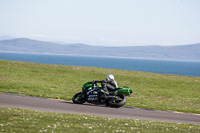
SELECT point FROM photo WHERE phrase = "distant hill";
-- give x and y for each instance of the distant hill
(184, 52)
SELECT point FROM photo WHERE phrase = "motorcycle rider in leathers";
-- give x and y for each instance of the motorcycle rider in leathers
(108, 84)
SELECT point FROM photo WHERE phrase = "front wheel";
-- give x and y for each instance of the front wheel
(79, 98)
(118, 102)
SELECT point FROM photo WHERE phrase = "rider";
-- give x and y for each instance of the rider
(108, 84)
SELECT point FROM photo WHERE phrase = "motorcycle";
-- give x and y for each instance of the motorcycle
(93, 93)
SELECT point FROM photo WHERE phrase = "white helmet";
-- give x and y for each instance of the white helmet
(110, 77)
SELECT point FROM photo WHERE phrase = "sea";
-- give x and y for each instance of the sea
(186, 68)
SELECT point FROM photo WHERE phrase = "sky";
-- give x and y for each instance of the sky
(103, 22)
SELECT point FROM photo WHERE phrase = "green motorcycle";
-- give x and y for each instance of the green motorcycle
(93, 93)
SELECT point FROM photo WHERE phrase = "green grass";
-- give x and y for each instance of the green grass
(20, 120)
(152, 91)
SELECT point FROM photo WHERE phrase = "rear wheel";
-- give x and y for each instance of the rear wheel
(118, 102)
(79, 98)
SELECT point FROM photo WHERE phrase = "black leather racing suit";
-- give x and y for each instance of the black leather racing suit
(109, 84)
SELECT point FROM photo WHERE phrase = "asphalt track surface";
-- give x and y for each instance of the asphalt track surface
(61, 106)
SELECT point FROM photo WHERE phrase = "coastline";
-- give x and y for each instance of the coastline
(96, 56)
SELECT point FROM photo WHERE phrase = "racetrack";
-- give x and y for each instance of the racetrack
(62, 106)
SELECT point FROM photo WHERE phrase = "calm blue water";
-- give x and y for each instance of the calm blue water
(155, 66)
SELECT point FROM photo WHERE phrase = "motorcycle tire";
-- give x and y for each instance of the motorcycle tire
(118, 103)
(79, 98)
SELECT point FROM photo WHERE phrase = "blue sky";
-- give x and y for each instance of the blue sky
(103, 22)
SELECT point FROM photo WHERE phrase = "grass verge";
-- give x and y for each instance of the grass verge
(152, 91)
(20, 120)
